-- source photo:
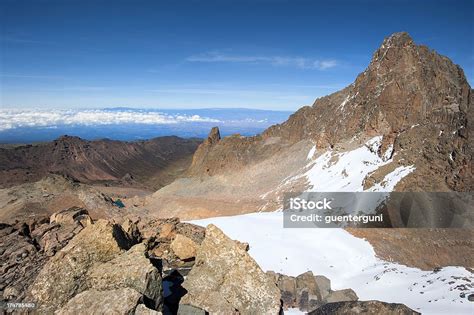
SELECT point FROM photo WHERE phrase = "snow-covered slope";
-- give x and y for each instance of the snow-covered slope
(349, 262)
(346, 171)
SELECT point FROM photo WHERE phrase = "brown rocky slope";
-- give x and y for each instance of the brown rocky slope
(151, 164)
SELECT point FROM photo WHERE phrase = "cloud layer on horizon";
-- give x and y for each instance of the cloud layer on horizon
(11, 119)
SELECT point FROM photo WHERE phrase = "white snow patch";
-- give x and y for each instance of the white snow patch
(388, 153)
(311, 153)
(391, 179)
(349, 262)
(346, 171)
(344, 102)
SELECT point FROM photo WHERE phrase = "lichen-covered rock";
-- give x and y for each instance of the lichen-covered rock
(363, 307)
(92, 302)
(183, 247)
(128, 270)
(226, 280)
(63, 276)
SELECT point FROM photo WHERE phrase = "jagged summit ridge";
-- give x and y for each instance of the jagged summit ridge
(417, 100)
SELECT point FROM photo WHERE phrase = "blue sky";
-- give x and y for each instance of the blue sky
(198, 54)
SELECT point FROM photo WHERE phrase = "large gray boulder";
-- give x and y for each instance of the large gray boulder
(226, 280)
(128, 270)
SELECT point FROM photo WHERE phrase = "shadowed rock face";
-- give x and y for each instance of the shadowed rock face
(418, 100)
(150, 164)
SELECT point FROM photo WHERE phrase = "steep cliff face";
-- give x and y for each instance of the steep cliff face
(417, 100)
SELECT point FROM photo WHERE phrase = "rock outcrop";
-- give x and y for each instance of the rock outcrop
(226, 280)
(27, 246)
(145, 267)
(307, 292)
(128, 270)
(65, 274)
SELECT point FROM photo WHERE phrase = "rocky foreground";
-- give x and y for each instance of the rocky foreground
(70, 264)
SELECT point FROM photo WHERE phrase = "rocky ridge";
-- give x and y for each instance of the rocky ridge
(149, 164)
(418, 100)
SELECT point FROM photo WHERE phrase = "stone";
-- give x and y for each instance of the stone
(186, 309)
(24, 250)
(131, 228)
(183, 247)
(341, 296)
(324, 285)
(91, 302)
(363, 307)
(71, 216)
(287, 286)
(143, 310)
(128, 270)
(63, 276)
(307, 291)
(167, 230)
(226, 280)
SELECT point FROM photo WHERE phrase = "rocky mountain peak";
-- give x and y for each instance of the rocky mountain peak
(400, 39)
(416, 99)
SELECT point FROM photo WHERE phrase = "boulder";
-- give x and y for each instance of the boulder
(143, 310)
(186, 309)
(341, 296)
(91, 302)
(63, 276)
(71, 215)
(287, 286)
(131, 228)
(308, 295)
(25, 248)
(226, 280)
(183, 247)
(53, 237)
(128, 270)
(363, 307)
(324, 285)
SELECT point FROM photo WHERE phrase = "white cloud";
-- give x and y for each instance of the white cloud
(10, 119)
(298, 62)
